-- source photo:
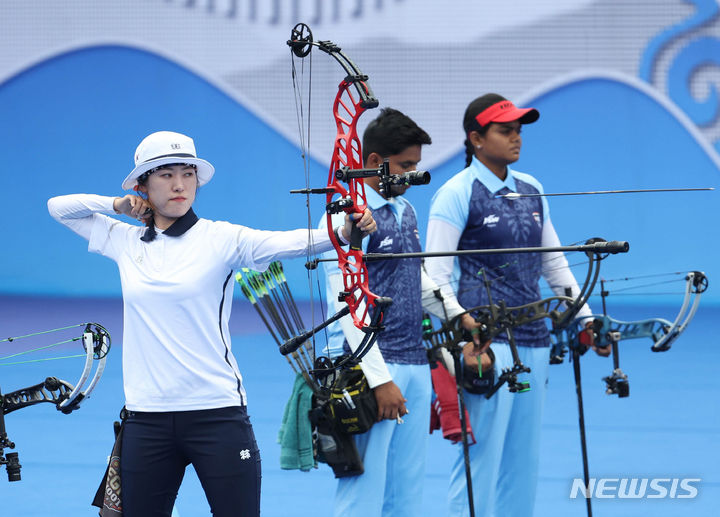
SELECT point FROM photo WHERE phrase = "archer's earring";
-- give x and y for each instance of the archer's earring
(478, 147)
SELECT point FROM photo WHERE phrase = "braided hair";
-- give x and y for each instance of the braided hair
(471, 124)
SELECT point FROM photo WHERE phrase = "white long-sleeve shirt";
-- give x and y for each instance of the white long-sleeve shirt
(177, 293)
(448, 218)
(442, 236)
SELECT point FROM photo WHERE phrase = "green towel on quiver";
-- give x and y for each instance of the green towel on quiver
(295, 435)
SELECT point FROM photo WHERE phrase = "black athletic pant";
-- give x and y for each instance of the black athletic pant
(219, 443)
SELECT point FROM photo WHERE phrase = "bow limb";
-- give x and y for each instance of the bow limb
(96, 341)
(662, 331)
(696, 283)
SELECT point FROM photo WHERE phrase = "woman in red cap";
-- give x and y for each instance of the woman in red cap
(184, 395)
(466, 213)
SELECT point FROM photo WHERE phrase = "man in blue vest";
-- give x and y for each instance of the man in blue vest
(393, 450)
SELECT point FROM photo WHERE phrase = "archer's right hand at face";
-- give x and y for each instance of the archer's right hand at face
(133, 206)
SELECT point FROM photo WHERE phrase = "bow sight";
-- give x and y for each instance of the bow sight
(387, 179)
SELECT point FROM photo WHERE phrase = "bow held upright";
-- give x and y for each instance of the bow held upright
(345, 192)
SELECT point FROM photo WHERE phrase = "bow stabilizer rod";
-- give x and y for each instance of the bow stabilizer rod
(600, 247)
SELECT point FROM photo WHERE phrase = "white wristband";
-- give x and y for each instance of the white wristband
(338, 236)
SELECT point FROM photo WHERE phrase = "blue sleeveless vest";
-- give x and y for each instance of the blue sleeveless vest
(504, 223)
(401, 341)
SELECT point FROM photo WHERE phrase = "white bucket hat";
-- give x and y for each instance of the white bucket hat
(164, 148)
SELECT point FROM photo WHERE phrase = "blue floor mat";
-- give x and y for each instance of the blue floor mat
(667, 428)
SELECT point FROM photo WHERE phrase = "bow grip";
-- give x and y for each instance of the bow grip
(356, 237)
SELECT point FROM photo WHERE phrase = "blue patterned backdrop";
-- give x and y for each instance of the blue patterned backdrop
(633, 105)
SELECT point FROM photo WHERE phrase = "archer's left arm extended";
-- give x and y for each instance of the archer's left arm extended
(258, 248)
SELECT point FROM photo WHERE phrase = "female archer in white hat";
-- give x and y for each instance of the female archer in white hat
(184, 394)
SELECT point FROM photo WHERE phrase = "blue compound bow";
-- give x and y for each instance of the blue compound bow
(608, 332)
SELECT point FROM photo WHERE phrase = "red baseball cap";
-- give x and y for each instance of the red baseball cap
(506, 111)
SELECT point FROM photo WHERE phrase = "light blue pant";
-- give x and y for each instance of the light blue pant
(504, 461)
(393, 456)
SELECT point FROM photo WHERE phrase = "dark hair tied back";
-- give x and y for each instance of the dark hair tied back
(471, 124)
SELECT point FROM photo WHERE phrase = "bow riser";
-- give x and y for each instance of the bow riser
(52, 390)
(656, 328)
(495, 319)
(354, 96)
(347, 152)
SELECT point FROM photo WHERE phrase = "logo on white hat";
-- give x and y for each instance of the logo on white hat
(163, 148)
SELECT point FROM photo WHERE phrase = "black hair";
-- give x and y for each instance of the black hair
(471, 124)
(142, 180)
(150, 233)
(391, 133)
